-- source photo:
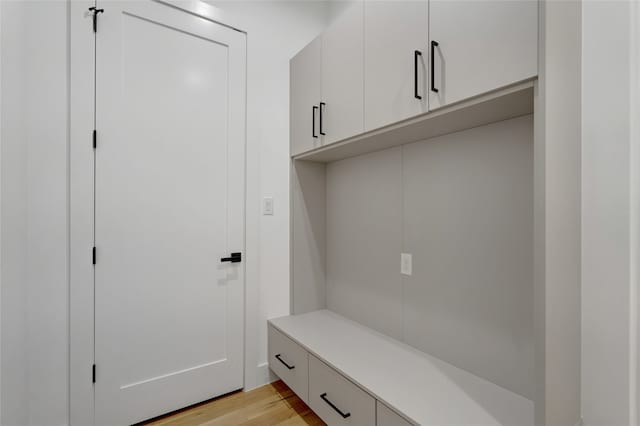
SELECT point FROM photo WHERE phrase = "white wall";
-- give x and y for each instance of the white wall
(610, 212)
(46, 114)
(13, 228)
(277, 30)
(34, 213)
(635, 193)
(1, 26)
(34, 217)
(635, 190)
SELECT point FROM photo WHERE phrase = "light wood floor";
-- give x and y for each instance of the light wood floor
(270, 405)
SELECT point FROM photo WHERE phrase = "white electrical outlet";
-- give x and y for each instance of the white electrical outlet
(406, 267)
(267, 206)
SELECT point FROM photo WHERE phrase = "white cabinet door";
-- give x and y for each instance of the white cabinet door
(341, 113)
(395, 57)
(305, 98)
(478, 46)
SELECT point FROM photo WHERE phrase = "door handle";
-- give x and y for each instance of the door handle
(434, 44)
(313, 121)
(235, 258)
(416, 54)
(325, 399)
(322, 105)
(279, 358)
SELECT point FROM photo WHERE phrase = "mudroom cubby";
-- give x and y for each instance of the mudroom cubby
(430, 218)
(412, 265)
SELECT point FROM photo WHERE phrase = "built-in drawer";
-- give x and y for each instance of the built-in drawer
(290, 362)
(387, 417)
(337, 400)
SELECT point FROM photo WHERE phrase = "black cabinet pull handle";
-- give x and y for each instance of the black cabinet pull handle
(325, 399)
(434, 44)
(322, 105)
(235, 258)
(290, 367)
(416, 54)
(313, 122)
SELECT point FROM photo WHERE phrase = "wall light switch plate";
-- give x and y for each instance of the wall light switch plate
(406, 267)
(267, 206)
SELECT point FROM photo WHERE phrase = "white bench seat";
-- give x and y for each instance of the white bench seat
(423, 389)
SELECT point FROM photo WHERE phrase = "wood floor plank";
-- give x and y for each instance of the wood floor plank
(270, 405)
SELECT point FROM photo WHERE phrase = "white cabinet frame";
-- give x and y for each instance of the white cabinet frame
(555, 102)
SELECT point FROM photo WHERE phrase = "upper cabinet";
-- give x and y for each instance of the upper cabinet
(478, 46)
(382, 62)
(305, 98)
(342, 107)
(396, 41)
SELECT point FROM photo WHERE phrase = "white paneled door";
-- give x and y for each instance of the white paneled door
(169, 205)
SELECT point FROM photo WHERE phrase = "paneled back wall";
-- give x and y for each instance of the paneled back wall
(462, 205)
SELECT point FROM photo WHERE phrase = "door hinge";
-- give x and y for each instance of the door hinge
(95, 17)
(93, 373)
(95, 138)
(93, 255)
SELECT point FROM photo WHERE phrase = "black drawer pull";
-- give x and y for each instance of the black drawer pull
(290, 367)
(313, 121)
(322, 105)
(325, 399)
(416, 54)
(434, 44)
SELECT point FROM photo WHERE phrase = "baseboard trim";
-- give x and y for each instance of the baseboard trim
(263, 376)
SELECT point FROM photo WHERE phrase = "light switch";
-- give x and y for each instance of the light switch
(406, 267)
(267, 206)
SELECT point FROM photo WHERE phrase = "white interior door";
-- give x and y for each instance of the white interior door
(169, 204)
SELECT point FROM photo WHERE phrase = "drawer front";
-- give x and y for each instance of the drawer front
(386, 417)
(336, 400)
(290, 362)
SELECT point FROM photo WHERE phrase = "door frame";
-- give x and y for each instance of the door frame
(81, 210)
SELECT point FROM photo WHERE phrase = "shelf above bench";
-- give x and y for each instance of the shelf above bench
(423, 389)
(502, 104)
